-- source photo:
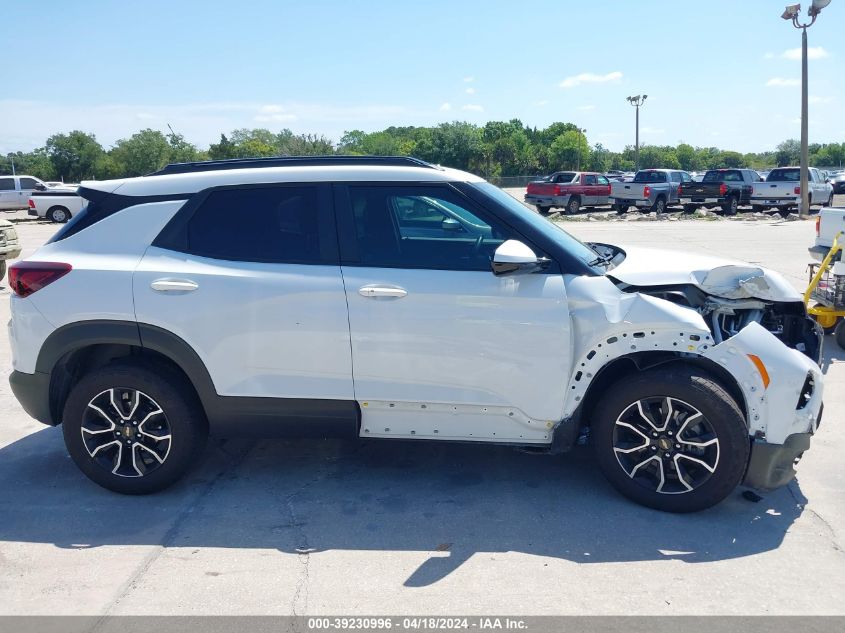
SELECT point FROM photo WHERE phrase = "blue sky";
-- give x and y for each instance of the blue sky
(717, 72)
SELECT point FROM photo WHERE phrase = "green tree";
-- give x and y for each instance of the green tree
(687, 157)
(35, 163)
(788, 153)
(569, 150)
(142, 153)
(74, 155)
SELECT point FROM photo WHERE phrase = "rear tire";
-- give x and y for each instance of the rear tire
(839, 334)
(672, 439)
(134, 428)
(659, 205)
(620, 208)
(58, 214)
(731, 206)
(543, 210)
(573, 206)
(690, 208)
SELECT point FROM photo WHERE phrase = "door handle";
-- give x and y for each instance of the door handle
(174, 285)
(382, 291)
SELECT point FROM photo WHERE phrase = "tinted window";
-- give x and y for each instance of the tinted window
(784, 175)
(422, 227)
(278, 224)
(733, 175)
(567, 177)
(650, 176)
(28, 183)
(7, 184)
(589, 179)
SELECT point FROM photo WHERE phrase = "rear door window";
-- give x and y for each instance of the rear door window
(272, 224)
(590, 179)
(650, 176)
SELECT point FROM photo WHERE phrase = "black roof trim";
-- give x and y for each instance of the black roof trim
(290, 161)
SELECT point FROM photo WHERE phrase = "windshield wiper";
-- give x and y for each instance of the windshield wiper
(601, 259)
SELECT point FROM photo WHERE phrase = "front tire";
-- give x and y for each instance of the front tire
(132, 428)
(59, 215)
(672, 439)
(839, 334)
(690, 208)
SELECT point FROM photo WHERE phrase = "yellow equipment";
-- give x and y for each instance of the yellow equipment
(827, 291)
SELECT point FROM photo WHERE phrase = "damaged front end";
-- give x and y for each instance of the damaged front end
(787, 321)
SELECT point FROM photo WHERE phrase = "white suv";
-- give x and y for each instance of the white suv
(389, 298)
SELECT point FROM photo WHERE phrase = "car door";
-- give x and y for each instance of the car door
(8, 193)
(27, 185)
(591, 189)
(249, 278)
(603, 192)
(441, 347)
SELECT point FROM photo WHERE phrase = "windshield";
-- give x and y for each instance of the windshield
(650, 176)
(554, 232)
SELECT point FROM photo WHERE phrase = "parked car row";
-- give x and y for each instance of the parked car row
(16, 190)
(657, 189)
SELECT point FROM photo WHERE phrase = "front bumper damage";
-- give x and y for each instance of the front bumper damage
(783, 401)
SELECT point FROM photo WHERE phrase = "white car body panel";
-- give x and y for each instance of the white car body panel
(715, 275)
(103, 257)
(262, 330)
(197, 181)
(27, 332)
(463, 355)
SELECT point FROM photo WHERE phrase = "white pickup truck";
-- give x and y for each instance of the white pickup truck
(829, 223)
(55, 204)
(782, 190)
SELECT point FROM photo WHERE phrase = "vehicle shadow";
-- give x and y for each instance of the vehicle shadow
(831, 353)
(453, 501)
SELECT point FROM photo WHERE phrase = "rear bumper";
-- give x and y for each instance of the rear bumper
(631, 202)
(32, 211)
(33, 393)
(772, 465)
(546, 201)
(717, 200)
(775, 202)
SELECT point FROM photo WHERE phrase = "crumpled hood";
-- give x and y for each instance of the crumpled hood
(717, 276)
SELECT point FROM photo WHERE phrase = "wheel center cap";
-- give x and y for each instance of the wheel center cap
(128, 432)
(664, 443)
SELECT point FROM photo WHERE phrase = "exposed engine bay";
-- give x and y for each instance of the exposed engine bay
(729, 297)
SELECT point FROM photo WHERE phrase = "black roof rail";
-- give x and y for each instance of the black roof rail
(290, 161)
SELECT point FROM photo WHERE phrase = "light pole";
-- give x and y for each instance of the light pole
(637, 101)
(791, 14)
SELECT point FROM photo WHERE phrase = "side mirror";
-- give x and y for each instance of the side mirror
(450, 224)
(40, 187)
(514, 257)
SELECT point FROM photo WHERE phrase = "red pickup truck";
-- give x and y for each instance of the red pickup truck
(568, 190)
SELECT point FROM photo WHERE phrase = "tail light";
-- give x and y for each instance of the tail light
(646, 191)
(723, 189)
(556, 190)
(818, 223)
(797, 191)
(679, 191)
(28, 277)
(31, 203)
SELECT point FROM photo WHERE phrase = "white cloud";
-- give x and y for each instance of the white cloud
(813, 52)
(780, 82)
(769, 55)
(273, 113)
(541, 102)
(590, 78)
(472, 107)
(446, 107)
(470, 91)
(586, 108)
(469, 80)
